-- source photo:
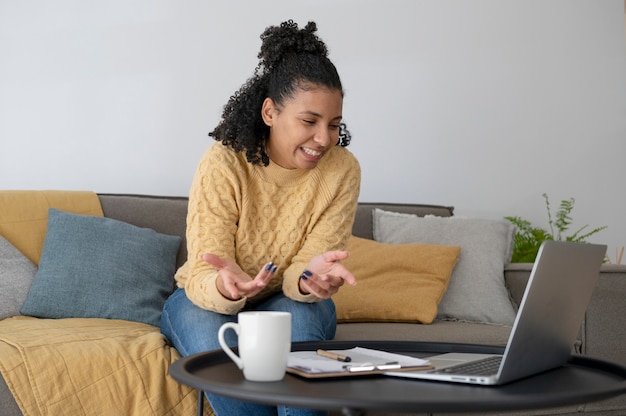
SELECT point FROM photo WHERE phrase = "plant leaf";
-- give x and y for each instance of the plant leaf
(528, 239)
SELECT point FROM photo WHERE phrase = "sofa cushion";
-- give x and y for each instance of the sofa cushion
(395, 282)
(16, 276)
(94, 267)
(439, 331)
(477, 291)
(24, 214)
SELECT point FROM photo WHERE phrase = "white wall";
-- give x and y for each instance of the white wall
(482, 104)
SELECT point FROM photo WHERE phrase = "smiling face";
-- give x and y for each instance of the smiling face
(303, 128)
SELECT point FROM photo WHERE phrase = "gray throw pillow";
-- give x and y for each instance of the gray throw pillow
(16, 276)
(94, 267)
(477, 291)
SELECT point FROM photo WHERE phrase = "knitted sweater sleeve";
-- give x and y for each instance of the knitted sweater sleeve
(211, 227)
(342, 179)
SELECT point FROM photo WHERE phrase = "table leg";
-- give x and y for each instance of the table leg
(200, 403)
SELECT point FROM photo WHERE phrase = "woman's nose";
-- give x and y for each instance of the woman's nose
(322, 137)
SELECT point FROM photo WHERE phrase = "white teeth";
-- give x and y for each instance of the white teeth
(311, 152)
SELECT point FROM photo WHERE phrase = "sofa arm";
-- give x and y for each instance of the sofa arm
(604, 331)
(516, 277)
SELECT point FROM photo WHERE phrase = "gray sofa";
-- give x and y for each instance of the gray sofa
(602, 335)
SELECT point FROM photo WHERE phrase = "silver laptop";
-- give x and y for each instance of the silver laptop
(547, 323)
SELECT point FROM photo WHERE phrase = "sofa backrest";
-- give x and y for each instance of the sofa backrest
(363, 220)
(168, 215)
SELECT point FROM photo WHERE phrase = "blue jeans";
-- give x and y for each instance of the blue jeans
(191, 330)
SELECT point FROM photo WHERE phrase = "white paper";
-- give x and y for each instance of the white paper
(362, 359)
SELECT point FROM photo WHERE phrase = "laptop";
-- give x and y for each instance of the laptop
(547, 322)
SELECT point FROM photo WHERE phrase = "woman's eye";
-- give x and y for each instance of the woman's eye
(334, 126)
(309, 121)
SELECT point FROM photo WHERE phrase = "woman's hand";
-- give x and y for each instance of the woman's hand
(325, 275)
(233, 283)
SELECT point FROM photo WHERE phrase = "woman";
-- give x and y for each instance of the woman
(271, 207)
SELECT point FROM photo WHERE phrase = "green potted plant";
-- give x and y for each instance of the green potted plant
(528, 238)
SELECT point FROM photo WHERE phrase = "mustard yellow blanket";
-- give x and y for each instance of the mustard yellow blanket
(90, 367)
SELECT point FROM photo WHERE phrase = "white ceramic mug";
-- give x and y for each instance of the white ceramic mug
(264, 344)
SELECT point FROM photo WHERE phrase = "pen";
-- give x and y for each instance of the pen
(334, 356)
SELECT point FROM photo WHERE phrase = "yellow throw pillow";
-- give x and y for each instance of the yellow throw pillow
(24, 215)
(395, 282)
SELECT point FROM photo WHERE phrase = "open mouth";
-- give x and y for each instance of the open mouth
(311, 152)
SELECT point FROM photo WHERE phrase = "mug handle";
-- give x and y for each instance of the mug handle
(220, 337)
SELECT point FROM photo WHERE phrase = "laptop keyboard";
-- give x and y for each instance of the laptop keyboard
(485, 367)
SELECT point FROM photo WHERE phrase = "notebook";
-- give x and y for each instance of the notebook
(547, 322)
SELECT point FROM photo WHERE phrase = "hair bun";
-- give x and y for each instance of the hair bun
(286, 39)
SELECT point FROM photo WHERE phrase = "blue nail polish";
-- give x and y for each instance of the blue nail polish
(307, 273)
(274, 269)
(303, 277)
(268, 267)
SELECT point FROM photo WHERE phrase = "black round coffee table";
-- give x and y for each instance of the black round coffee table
(582, 380)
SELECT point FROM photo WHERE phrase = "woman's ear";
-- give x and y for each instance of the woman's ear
(268, 110)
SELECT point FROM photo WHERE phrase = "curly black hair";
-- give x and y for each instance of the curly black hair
(290, 58)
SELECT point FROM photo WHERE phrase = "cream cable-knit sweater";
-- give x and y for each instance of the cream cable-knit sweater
(255, 214)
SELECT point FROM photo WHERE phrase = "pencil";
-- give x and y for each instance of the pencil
(334, 356)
